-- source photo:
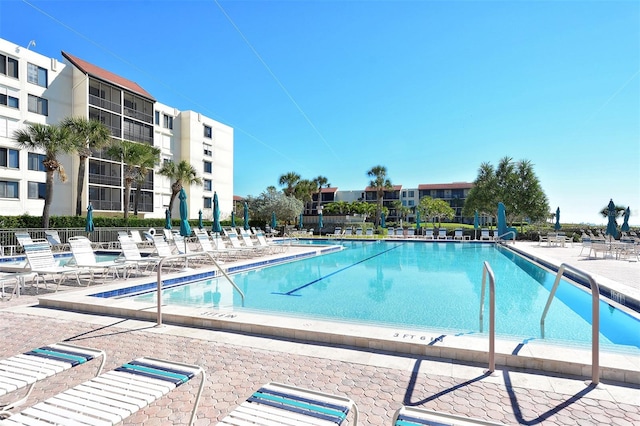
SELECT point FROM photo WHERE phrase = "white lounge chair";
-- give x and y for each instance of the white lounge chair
(84, 257)
(428, 234)
(41, 261)
(112, 396)
(132, 255)
(484, 234)
(369, 232)
(54, 240)
(457, 234)
(413, 416)
(139, 240)
(442, 234)
(27, 369)
(280, 404)
(337, 232)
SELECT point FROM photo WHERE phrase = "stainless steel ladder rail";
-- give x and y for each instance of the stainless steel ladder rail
(595, 316)
(486, 270)
(187, 255)
(507, 233)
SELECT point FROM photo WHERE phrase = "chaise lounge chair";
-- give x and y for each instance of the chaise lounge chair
(25, 370)
(113, 396)
(84, 257)
(54, 240)
(411, 416)
(280, 404)
(41, 261)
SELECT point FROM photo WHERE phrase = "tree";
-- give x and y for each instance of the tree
(89, 135)
(513, 183)
(132, 155)
(380, 183)
(304, 191)
(287, 208)
(180, 174)
(619, 211)
(321, 181)
(401, 211)
(365, 209)
(53, 140)
(432, 208)
(149, 158)
(337, 207)
(289, 180)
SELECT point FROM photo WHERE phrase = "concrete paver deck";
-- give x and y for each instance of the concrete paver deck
(236, 364)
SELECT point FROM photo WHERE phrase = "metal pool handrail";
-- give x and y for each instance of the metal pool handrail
(595, 316)
(486, 269)
(507, 233)
(184, 256)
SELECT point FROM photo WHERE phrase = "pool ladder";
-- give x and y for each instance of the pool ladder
(186, 256)
(595, 315)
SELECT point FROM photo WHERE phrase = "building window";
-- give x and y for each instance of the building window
(411, 194)
(167, 121)
(9, 158)
(207, 132)
(207, 149)
(207, 166)
(112, 121)
(37, 75)
(8, 189)
(157, 118)
(105, 198)
(8, 66)
(38, 105)
(207, 202)
(104, 96)
(138, 108)
(410, 203)
(35, 162)
(36, 190)
(137, 132)
(9, 101)
(207, 185)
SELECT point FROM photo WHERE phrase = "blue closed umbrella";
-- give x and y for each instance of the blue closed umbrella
(246, 216)
(216, 227)
(185, 228)
(300, 222)
(612, 226)
(274, 223)
(200, 219)
(167, 219)
(89, 225)
(476, 223)
(504, 231)
(382, 222)
(557, 226)
(625, 224)
(418, 220)
(320, 224)
(233, 219)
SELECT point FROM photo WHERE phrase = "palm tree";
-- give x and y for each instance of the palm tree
(180, 174)
(53, 140)
(321, 181)
(90, 134)
(149, 159)
(289, 180)
(131, 154)
(380, 183)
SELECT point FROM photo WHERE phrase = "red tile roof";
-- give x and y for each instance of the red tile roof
(238, 198)
(454, 185)
(329, 190)
(107, 76)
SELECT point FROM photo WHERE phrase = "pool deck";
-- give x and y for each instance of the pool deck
(380, 368)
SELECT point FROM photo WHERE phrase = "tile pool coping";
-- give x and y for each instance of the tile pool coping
(537, 355)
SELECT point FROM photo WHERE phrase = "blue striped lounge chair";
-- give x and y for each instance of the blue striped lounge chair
(27, 369)
(277, 403)
(113, 396)
(411, 416)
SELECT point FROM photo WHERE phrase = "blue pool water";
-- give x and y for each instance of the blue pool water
(435, 286)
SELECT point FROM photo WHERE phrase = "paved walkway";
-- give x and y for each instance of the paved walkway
(379, 383)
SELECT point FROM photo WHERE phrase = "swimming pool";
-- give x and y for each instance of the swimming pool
(434, 286)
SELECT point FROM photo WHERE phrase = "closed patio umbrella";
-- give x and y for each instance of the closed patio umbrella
(200, 219)
(418, 220)
(185, 228)
(476, 223)
(216, 227)
(320, 224)
(89, 224)
(167, 219)
(300, 222)
(625, 224)
(233, 219)
(612, 226)
(274, 223)
(557, 225)
(382, 221)
(246, 216)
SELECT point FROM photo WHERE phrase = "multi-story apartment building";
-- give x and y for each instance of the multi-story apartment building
(453, 193)
(38, 89)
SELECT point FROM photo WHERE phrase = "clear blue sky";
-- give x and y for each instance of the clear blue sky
(429, 89)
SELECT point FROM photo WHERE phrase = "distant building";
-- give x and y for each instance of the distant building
(38, 89)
